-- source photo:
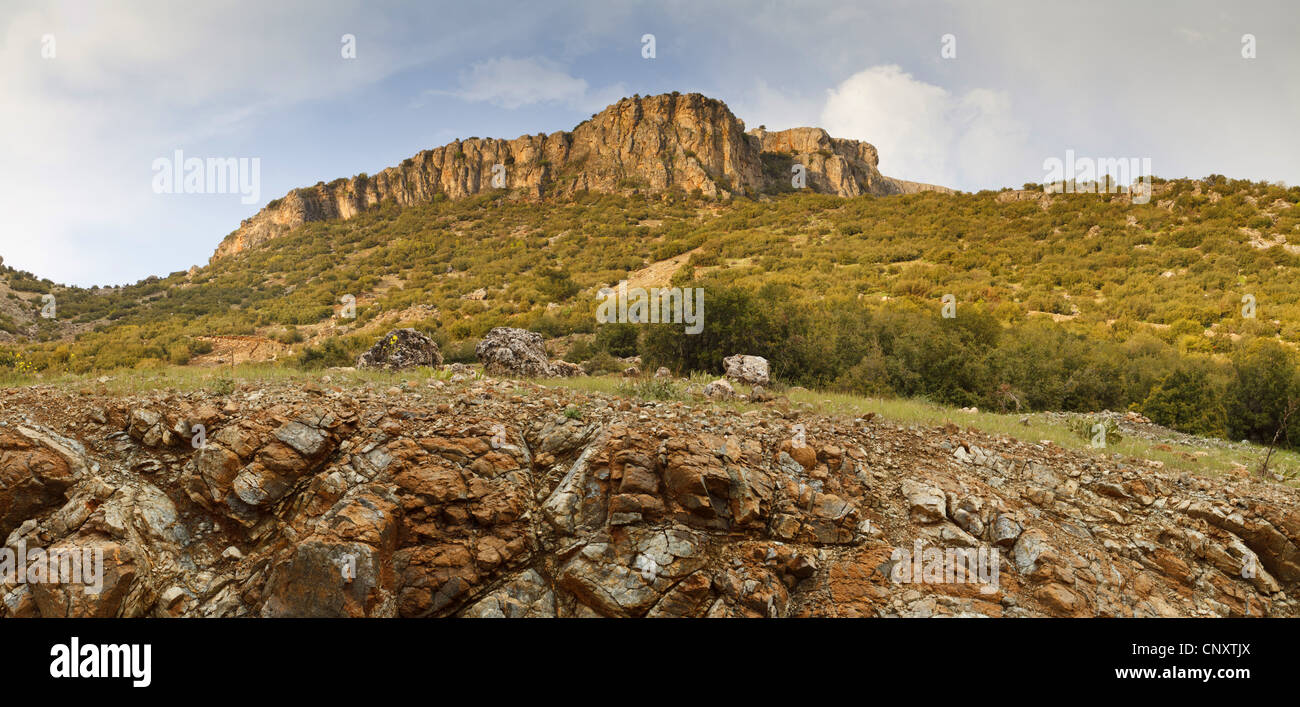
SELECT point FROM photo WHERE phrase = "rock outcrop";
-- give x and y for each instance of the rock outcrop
(505, 498)
(649, 144)
(518, 353)
(513, 353)
(399, 349)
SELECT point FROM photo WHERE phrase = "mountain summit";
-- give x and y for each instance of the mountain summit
(653, 143)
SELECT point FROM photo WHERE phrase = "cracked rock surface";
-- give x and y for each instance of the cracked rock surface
(484, 498)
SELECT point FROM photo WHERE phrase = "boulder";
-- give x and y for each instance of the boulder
(508, 352)
(926, 503)
(401, 348)
(719, 390)
(747, 369)
(564, 369)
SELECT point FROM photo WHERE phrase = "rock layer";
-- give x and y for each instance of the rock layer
(492, 498)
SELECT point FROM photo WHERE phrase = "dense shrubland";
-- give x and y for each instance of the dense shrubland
(990, 359)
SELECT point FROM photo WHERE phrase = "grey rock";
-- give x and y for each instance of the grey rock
(401, 348)
(510, 352)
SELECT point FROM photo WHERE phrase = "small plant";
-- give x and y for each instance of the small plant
(573, 413)
(652, 389)
(602, 363)
(223, 386)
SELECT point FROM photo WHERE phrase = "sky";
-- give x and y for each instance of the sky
(969, 94)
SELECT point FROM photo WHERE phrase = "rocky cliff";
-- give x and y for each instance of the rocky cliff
(652, 143)
(498, 498)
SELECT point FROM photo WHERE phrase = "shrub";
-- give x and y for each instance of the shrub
(618, 339)
(1188, 400)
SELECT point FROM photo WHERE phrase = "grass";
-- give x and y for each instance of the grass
(191, 378)
(1212, 460)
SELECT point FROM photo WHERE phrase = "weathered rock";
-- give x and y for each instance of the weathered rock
(1005, 531)
(926, 503)
(719, 390)
(513, 353)
(33, 478)
(400, 349)
(564, 369)
(113, 595)
(489, 500)
(627, 575)
(344, 568)
(1028, 550)
(746, 369)
(148, 427)
(525, 597)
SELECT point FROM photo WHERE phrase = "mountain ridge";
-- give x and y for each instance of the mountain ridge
(654, 143)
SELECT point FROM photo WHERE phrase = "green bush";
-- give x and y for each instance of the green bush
(1191, 400)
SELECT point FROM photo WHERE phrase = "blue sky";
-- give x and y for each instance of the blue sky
(130, 82)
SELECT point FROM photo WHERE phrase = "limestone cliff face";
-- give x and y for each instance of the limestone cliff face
(652, 143)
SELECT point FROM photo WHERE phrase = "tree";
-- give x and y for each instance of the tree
(1265, 383)
(617, 338)
(1189, 401)
(735, 321)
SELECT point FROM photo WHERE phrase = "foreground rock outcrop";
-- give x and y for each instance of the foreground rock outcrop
(498, 498)
(650, 143)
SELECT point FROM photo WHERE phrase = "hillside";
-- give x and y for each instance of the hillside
(1067, 302)
(338, 496)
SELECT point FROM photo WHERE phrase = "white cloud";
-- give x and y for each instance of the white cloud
(134, 80)
(514, 83)
(924, 132)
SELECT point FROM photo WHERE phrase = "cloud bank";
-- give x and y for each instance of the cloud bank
(926, 133)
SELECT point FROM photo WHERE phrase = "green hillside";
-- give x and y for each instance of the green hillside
(1068, 302)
